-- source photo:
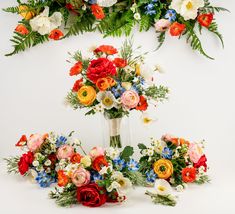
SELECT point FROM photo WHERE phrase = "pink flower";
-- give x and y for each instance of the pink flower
(162, 25)
(130, 99)
(195, 152)
(65, 151)
(81, 177)
(167, 137)
(96, 152)
(35, 141)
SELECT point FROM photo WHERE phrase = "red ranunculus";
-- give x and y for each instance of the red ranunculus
(205, 19)
(107, 49)
(77, 85)
(189, 175)
(100, 68)
(56, 34)
(91, 195)
(53, 158)
(120, 63)
(76, 69)
(21, 29)
(142, 105)
(24, 162)
(176, 29)
(22, 141)
(76, 158)
(99, 162)
(201, 162)
(28, 157)
(97, 11)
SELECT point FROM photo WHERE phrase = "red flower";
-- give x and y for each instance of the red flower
(91, 195)
(201, 162)
(76, 69)
(142, 105)
(100, 68)
(77, 85)
(56, 34)
(97, 11)
(22, 141)
(24, 162)
(21, 29)
(53, 158)
(62, 178)
(99, 162)
(205, 19)
(76, 158)
(120, 63)
(189, 175)
(107, 49)
(176, 29)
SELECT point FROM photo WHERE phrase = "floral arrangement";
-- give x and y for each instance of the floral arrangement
(172, 162)
(114, 83)
(57, 19)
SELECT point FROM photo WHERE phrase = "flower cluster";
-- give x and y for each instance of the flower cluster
(111, 17)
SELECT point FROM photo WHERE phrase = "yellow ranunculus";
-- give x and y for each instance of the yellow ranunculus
(137, 69)
(86, 161)
(25, 13)
(163, 168)
(86, 95)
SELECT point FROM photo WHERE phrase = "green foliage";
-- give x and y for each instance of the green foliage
(12, 164)
(214, 29)
(161, 38)
(127, 152)
(72, 100)
(208, 8)
(203, 179)
(141, 146)
(136, 178)
(11, 9)
(157, 92)
(167, 200)
(145, 23)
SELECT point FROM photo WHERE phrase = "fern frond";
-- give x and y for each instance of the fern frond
(208, 8)
(161, 38)
(214, 29)
(11, 9)
(145, 23)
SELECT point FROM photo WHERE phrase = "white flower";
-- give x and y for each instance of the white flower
(107, 99)
(147, 119)
(133, 7)
(84, 7)
(86, 161)
(150, 151)
(147, 73)
(159, 145)
(129, 69)
(44, 24)
(126, 85)
(187, 8)
(137, 16)
(105, 170)
(98, 108)
(172, 180)
(48, 170)
(162, 187)
(47, 163)
(113, 153)
(35, 163)
(76, 142)
(106, 3)
(32, 175)
(179, 188)
(71, 168)
(114, 185)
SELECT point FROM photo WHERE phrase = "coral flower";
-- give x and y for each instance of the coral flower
(65, 151)
(102, 84)
(99, 162)
(107, 49)
(163, 168)
(205, 19)
(25, 13)
(35, 141)
(189, 175)
(179, 141)
(62, 178)
(77, 85)
(86, 95)
(56, 34)
(177, 29)
(142, 105)
(112, 82)
(130, 99)
(76, 69)
(76, 158)
(22, 141)
(21, 29)
(97, 11)
(120, 63)
(81, 177)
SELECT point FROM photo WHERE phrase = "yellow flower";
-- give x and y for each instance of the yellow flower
(163, 168)
(137, 69)
(25, 13)
(86, 95)
(86, 161)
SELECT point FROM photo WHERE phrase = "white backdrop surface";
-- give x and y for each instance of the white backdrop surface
(33, 85)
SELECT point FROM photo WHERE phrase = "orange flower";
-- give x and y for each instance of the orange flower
(25, 13)
(119, 62)
(189, 175)
(102, 84)
(107, 49)
(179, 141)
(99, 162)
(77, 85)
(76, 158)
(86, 95)
(97, 11)
(177, 29)
(205, 19)
(112, 82)
(56, 34)
(163, 168)
(62, 178)
(22, 29)
(76, 69)
(142, 105)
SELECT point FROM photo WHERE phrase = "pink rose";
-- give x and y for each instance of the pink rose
(130, 99)
(96, 152)
(65, 151)
(167, 137)
(162, 25)
(35, 141)
(195, 152)
(81, 177)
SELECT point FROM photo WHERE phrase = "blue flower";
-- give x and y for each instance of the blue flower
(151, 176)
(44, 180)
(133, 165)
(167, 153)
(118, 91)
(171, 15)
(92, 1)
(95, 176)
(60, 141)
(119, 163)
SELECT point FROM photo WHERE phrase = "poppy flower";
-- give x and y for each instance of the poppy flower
(97, 11)
(21, 29)
(99, 162)
(62, 178)
(76, 69)
(201, 162)
(142, 105)
(107, 49)
(22, 141)
(56, 34)
(177, 29)
(77, 85)
(120, 63)
(189, 175)
(205, 19)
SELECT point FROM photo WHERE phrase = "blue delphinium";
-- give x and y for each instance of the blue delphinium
(44, 180)
(118, 91)
(150, 9)
(170, 15)
(60, 141)
(95, 176)
(167, 153)
(133, 165)
(151, 176)
(119, 163)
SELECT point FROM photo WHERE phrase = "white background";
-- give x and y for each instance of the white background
(201, 106)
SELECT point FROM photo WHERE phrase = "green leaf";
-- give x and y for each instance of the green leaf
(141, 146)
(127, 152)
(161, 38)
(214, 29)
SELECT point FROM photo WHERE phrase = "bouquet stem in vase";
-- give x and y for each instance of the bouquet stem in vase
(114, 132)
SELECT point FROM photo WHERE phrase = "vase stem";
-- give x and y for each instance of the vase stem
(114, 132)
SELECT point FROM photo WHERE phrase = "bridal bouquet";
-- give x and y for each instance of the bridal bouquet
(57, 19)
(114, 83)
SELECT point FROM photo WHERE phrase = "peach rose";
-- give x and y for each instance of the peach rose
(195, 152)
(81, 177)
(96, 152)
(162, 25)
(130, 99)
(35, 141)
(65, 151)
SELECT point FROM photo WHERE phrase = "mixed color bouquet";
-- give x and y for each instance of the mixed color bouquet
(58, 19)
(114, 83)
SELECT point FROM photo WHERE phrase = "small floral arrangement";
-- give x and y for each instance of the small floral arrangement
(114, 83)
(58, 19)
(172, 162)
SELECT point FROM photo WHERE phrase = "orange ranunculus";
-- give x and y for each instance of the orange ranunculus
(56, 34)
(179, 141)
(142, 105)
(120, 63)
(137, 69)
(112, 82)
(177, 29)
(163, 168)
(205, 19)
(97, 11)
(86, 95)
(189, 175)
(62, 178)
(77, 85)
(22, 29)
(25, 13)
(107, 49)
(99, 162)
(76, 69)
(76, 158)
(102, 84)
